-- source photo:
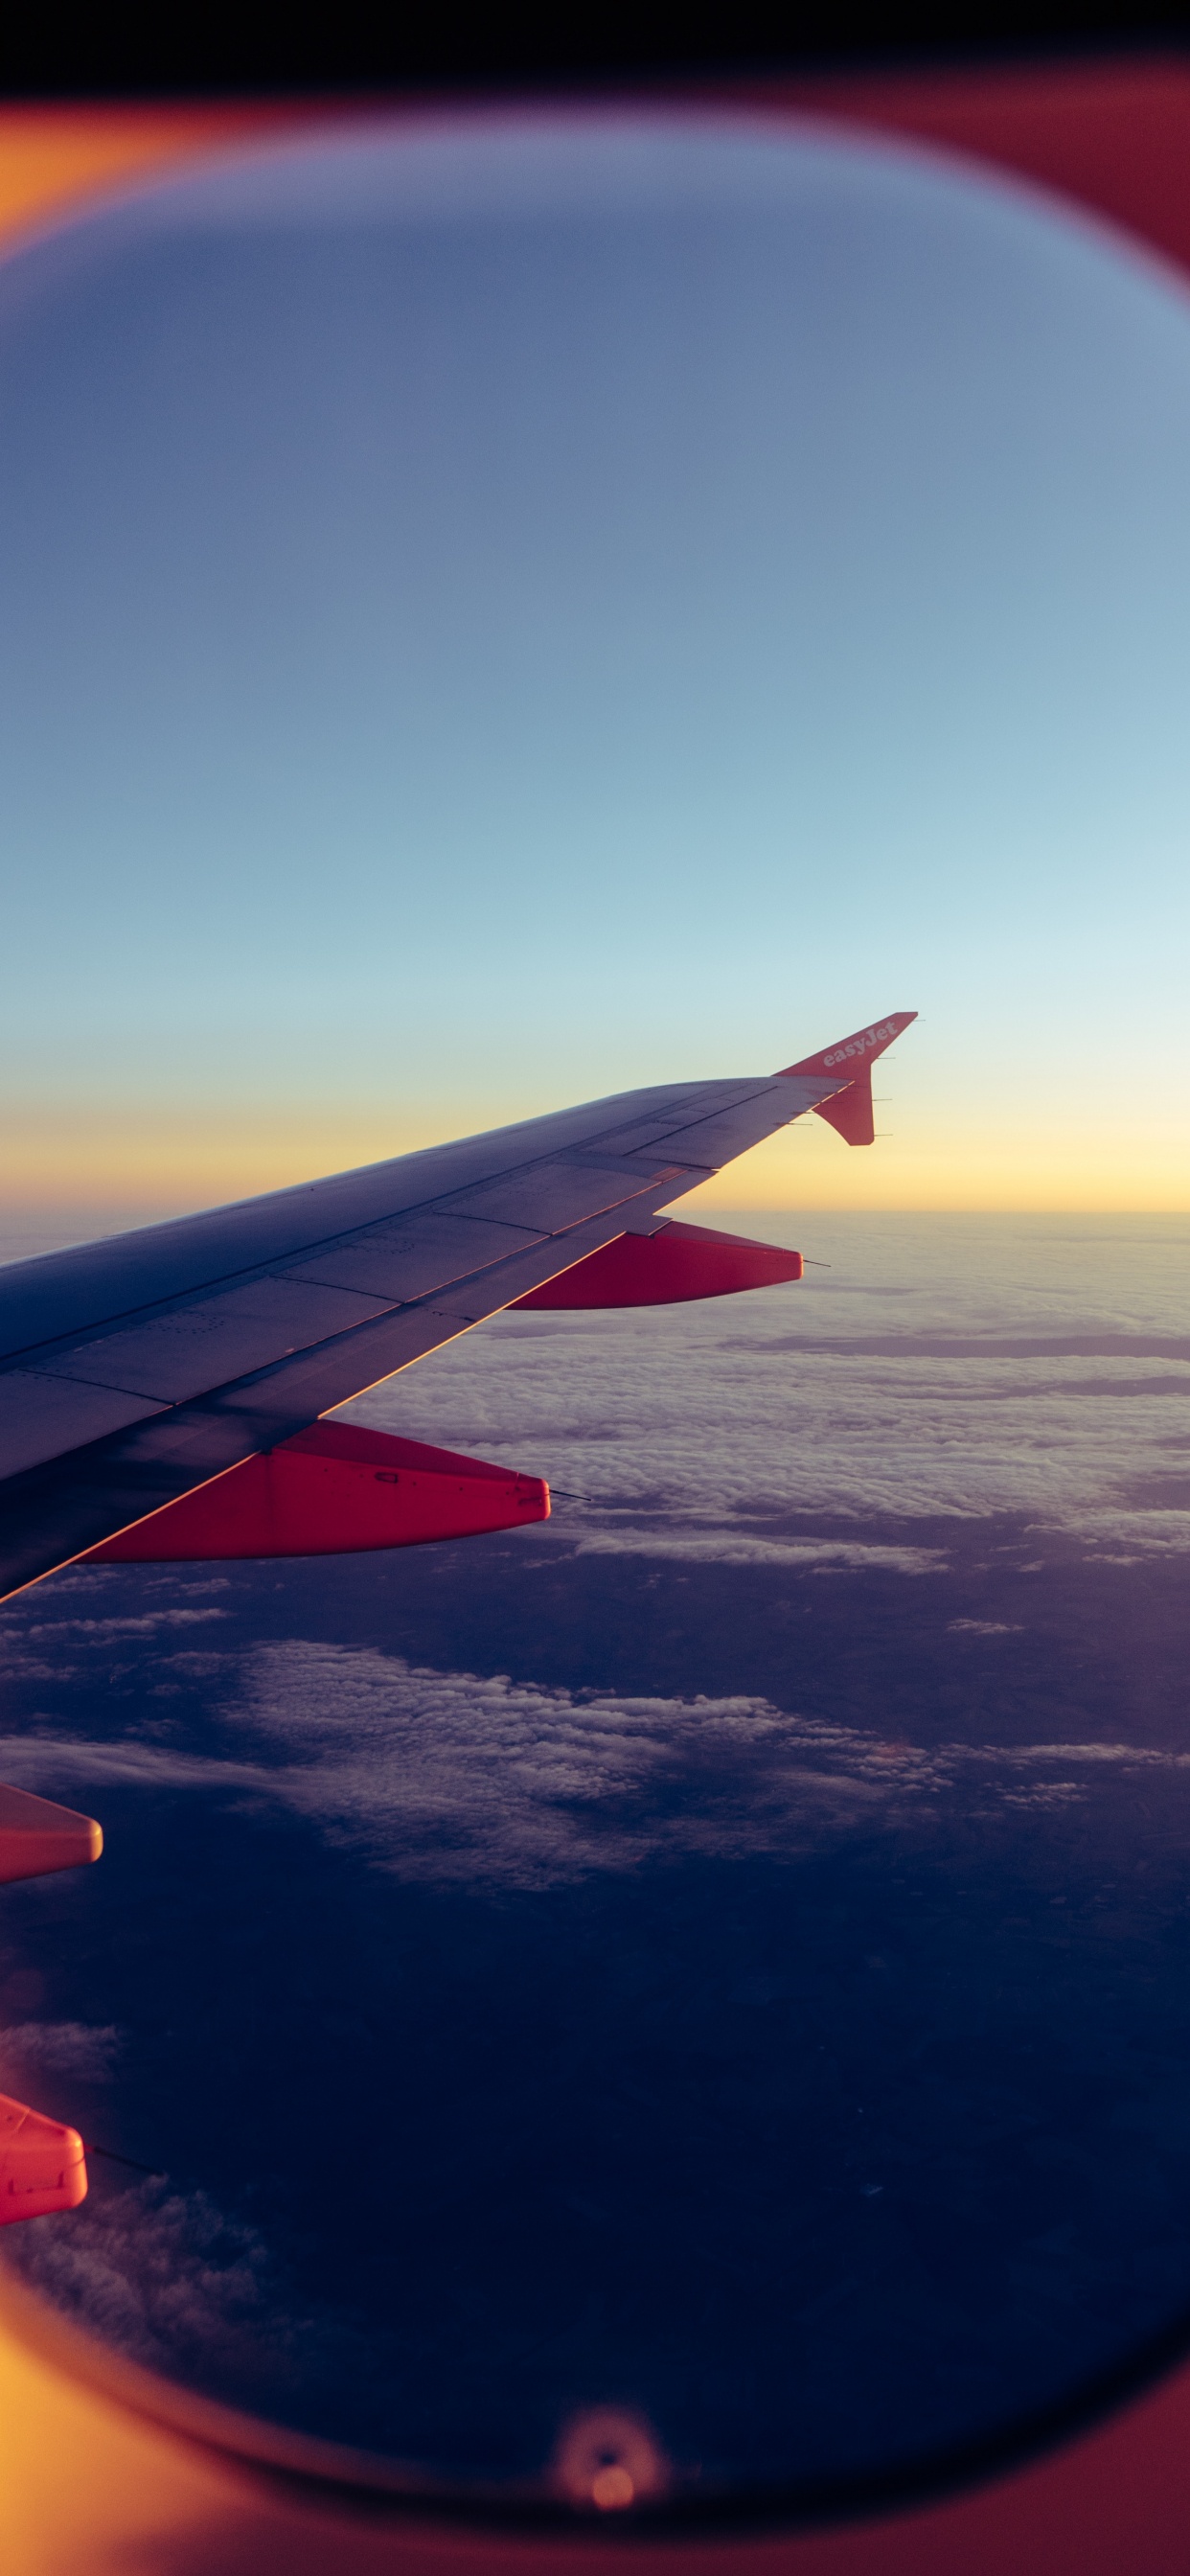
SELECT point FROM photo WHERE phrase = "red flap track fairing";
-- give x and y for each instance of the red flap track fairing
(42, 2162)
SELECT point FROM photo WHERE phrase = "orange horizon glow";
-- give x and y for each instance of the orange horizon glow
(56, 161)
(95, 1171)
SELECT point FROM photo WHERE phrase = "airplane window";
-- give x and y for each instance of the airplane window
(684, 2005)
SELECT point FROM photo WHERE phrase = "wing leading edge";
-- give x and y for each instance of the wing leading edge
(160, 1393)
(136, 1370)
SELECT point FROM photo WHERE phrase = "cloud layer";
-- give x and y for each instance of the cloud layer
(927, 1375)
(162, 2276)
(455, 1777)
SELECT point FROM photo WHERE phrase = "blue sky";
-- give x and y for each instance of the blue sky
(495, 613)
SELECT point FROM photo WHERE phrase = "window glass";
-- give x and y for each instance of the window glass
(692, 1995)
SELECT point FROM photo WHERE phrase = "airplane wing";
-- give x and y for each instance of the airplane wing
(137, 1371)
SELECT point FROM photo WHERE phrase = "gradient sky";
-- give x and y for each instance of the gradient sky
(500, 612)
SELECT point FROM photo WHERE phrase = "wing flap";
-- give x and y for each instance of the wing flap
(412, 1256)
(719, 1131)
(170, 1358)
(552, 1196)
(42, 1415)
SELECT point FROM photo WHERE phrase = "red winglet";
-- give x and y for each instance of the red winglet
(846, 1057)
(850, 1112)
(848, 1064)
(42, 2164)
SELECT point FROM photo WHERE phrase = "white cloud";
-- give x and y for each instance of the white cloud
(1148, 1533)
(446, 1775)
(146, 1624)
(440, 1775)
(1144, 1756)
(86, 2051)
(450, 1775)
(34, 1761)
(159, 2275)
(743, 1407)
(194, 1667)
(982, 1628)
(725, 1546)
(1056, 1793)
